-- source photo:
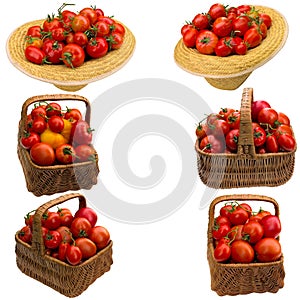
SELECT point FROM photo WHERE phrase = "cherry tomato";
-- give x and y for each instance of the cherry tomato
(52, 239)
(51, 23)
(189, 37)
(257, 217)
(256, 106)
(200, 21)
(240, 25)
(234, 119)
(267, 250)
(235, 233)
(87, 247)
(80, 227)
(73, 55)
(220, 128)
(115, 40)
(226, 210)
(220, 230)
(252, 38)
(224, 112)
(252, 232)
(89, 13)
(118, 28)
(222, 252)
(239, 216)
(265, 18)
(56, 124)
(66, 17)
(100, 236)
(53, 109)
(282, 129)
(222, 27)
(29, 139)
(80, 38)
(102, 28)
(271, 226)
(73, 114)
(66, 217)
(206, 42)
(259, 136)
(283, 119)
(201, 131)
(25, 234)
(35, 55)
(58, 34)
(34, 31)
(80, 23)
(242, 252)
(271, 144)
(97, 47)
(232, 139)
(62, 251)
(34, 41)
(65, 154)
(85, 153)
(88, 213)
(73, 255)
(217, 10)
(51, 220)
(286, 142)
(42, 154)
(64, 231)
(268, 116)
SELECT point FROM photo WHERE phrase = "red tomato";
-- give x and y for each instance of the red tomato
(51, 23)
(65, 233)
(217, 10)
(210, 144)
(80, 38)
(87, 247)
(268, 250)
(220, 128)
(35, 55)
(66, 217)
(259, 215)
(234, 119)
(85, 153)
(100, 236)
(252, 38)
(89, 13)
(232, 139)
(283, 119)
(271, 226)
(80, 23)
(226, 210)
(241, 48)
(282, 129)
(80, 227)
(56, 124)
(118, 28)
(51, 220)
(88, 213)
(240, 25)
(52, 239)
(200, 21)
(267, 116)
(252, 232)
(62, 250)
(102, 28)
(235, 233)
(53, 50)
(81, 132)
(256, 106)
(73, 255)
(220, 220)
(271, 144)
(201, 131)
(42, 154)
(265, 18)
(206, 42)
(73, 114)
(53, 109)
(25, 234)
(259, 136)
(189, 37)
(66, 17)
(286, 142)
(222, 27)
(34, 31)
(223, 47)
(73, 55)
(222, 252)
(224, 112)
(39, 111)
(58, 34)
(239, 216)
(115, 40)
(38, 124)
(65, 154)
(97, 47)
(29, 139)
(242, 252)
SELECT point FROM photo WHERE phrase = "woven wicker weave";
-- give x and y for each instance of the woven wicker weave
(246, 168)
(48, 180)
(230, 72)
(68, 280)
(61, 76)
(233, 279)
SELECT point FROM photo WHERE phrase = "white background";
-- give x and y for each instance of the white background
(165, 259)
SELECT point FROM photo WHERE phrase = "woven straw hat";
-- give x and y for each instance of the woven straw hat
(61, 76)
(228, 73)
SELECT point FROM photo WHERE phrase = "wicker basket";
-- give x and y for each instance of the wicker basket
(233, 279)
(246, 168)
(68, 280)
(61, 76)
(48, 180)
(228, 73)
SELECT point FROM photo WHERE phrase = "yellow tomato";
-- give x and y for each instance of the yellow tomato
(52, 138)
(66, 132)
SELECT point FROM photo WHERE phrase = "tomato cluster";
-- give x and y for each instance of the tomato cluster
(242, 236)
(272, 132)
(56, 136)
(72, 38)
(224, 30)
(71, 238)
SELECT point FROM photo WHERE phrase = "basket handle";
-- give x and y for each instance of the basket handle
(53, 98)
(246, 148)
(37, 234)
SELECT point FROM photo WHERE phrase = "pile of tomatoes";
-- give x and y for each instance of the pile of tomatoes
(271, 130)
(72, 38)
(224, 30)
(56, 136)
(71, 238)
(242, 236)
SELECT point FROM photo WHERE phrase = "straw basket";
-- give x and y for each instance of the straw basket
(228, 73)
(61, 76)
(245, 168)
(48, 180)
(68, 280)
(232, 278)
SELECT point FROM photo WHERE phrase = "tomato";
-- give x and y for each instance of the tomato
(88, 213)
(220, 230)
(242, 252)
(243, 9)
(261, 28)
(99, 12)
(70, 38)
(252, 232)
(267, 116)
(226, 210)
(257, 217)
(102, 28)
(80, 23)
(62, 251)
(56, 124)
(51, 220)
(87, 247)
(223, 47)
(66, 17)
(65, 154)
(286, 142)
(34, 31)
(38, 111)
(206, 42)
(53, 109)
(80, 38)
(51, 23)
(235, 233)
(217, 10)
(64, 230)
(25, 234)
(239, 216)
(34, 41)
(259, 136)
(73, 114)
(189, 37)
(268, 250)
(240, 25)
(224, 112)
(115, 40)
(234, 119)
(58, 34)
(252, 38)
(220, 128)
(232, 139)
(80, 227)
(38, 124)
(82, 133)
(89, 13)
(42, 154)
(211, 144)
(222, 252)
(222, 220)
(271, 226)
(52, 239)
(247, 208)
(108, 20)
(283, 119)
(35, 55)
(256, 106)
(282, 129)
(200, 21)
(53, 139)
(97, 47)
(201, 131)
(100, 236)
(73, 255)
(118, 28)
(271, 144)
(73, 55)
(240, 49)
(186, 27)
(265, 18)
(222, 27)
(85, 153)
(29, 139)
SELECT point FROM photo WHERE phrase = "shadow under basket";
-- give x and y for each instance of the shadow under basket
(66, 279)
(48, 180)
(238, 279)
(245, 168)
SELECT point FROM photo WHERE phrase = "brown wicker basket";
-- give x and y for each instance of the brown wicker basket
(246, 168)
(48, 180)
(233, 279)
(228, 73)
(61, 76)
(68, 280)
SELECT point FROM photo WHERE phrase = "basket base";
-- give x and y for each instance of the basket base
(231, 83)
(70, 88)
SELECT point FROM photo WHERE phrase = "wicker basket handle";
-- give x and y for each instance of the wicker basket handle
(246, 148)
(53, 98)
(37, 234)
